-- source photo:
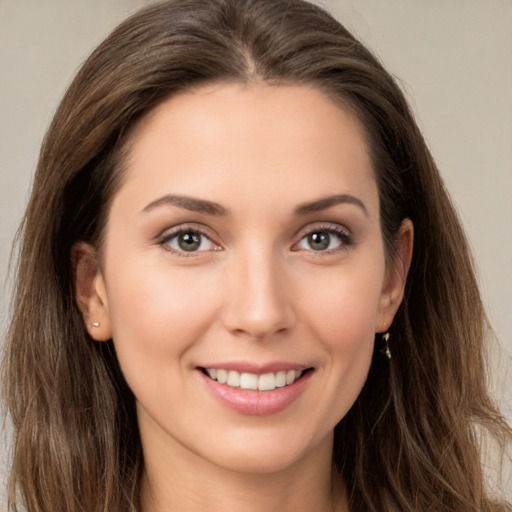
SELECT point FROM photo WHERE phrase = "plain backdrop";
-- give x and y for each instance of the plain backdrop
(453, 59)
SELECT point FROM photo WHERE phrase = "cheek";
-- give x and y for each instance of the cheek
(340, 310)
(157, 313)
(344, 303)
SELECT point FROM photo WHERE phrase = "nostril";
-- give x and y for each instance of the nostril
(259, 325)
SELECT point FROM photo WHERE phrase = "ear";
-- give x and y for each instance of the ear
(396, 277)
(90, 291)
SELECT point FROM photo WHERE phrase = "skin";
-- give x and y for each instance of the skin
(256, 290)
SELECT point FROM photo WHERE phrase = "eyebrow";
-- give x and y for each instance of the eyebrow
(211, 208)
(326, 202)
(189, 203)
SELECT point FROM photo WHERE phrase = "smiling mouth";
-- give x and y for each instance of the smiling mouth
(251, 381)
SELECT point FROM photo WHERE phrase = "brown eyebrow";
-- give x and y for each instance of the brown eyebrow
(326, 202)
(189, 203)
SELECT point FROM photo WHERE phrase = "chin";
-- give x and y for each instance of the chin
(267, 456)
(256, 464)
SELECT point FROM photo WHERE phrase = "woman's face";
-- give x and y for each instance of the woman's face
(244, 244)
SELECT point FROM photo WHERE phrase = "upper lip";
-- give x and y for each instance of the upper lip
(256, 368)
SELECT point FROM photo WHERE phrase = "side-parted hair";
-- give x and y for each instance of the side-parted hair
(411, 442)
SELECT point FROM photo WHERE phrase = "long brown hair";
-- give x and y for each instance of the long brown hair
(411, 440)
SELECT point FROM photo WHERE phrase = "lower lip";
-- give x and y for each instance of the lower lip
(257, 403)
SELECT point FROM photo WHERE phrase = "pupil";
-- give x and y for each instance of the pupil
(189, 241)
(319, 241)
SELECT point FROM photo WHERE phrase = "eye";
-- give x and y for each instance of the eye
(324, 240)
(188, 241)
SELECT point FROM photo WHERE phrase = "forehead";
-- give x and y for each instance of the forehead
(257, 138)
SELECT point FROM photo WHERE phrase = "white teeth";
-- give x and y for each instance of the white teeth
(280, 379)
(267, 382)
(222, 376)
(233, 379)
(248, 381)
(264, 382)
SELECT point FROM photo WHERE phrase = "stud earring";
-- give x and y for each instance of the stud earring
(385, 349)
(95, 324)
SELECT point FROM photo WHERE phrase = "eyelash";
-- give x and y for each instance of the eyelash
(167, 237)
(339, 232)
(342, 234)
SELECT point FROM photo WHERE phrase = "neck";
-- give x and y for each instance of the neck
(185, 482)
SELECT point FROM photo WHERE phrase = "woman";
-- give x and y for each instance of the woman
(219, 304)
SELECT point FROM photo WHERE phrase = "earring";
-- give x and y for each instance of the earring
(385, 349)
(95, 324)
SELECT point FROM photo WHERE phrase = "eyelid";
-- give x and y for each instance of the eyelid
(169, 233)
(343, 233)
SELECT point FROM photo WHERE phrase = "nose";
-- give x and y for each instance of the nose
(258, 304)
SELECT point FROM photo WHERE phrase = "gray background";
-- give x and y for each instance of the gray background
(454, 61)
